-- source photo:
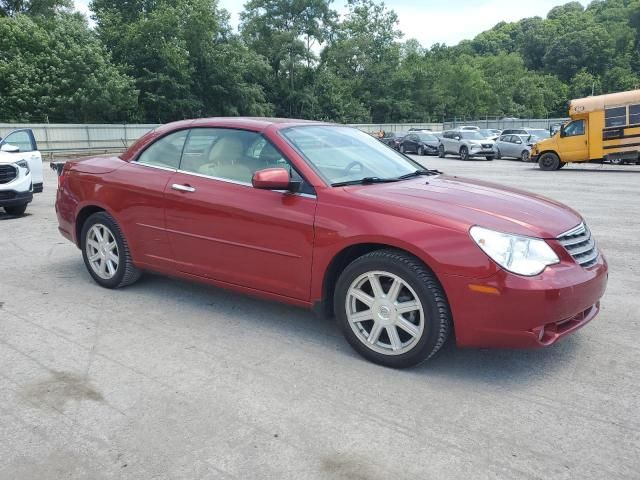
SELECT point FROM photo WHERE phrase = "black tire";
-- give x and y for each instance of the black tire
(441, 152)
(464, 153)
(490, 157)
(420, 151)
(525, 156)
(16, 210)
(549, 162)
(126, 272)
(616, 161)
(498, 154)
(436, 311)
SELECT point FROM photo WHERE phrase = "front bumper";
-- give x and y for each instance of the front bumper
(11, 198)
(511, 311)
(481, 153)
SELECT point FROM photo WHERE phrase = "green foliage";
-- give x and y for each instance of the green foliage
(162, 60)
(56, 69)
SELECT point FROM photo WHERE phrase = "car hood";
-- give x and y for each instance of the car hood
(6, 158)
(465, 203)
(486, 141)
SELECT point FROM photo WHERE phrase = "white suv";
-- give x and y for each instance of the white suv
(20, 171)
(467, 144)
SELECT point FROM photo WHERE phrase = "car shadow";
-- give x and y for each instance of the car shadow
(6, 216)
(509, 368)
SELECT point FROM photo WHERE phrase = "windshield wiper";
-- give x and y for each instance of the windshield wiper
(417, 173)
(364, 181)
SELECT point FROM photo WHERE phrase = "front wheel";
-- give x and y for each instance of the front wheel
(420, 151)
(464, 153)
(401, 148)
(441, 152)
(524, 156)
(106, 252)
(498, 154)
(549, 161)
(16, 210)
(392, 309)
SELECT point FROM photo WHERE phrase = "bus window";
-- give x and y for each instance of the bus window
(615, 117)
(574, 128)
(634, 114)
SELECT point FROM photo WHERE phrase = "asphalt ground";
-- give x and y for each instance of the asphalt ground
(170, 379)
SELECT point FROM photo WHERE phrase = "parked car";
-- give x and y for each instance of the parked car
(393, 139)
(467, 144)
(538, 133)
(325, 217)
(421, 143)
(468, 127)
(514, 146)
(417, 129)
(20, 171)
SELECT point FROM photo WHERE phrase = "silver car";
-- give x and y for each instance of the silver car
(515, 146)
(467, 144)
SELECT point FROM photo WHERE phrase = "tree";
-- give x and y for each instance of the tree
(285, 32)
(11, 8)
(57, 70)
(184, 58)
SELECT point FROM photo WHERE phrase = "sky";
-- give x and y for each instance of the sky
(436, 21)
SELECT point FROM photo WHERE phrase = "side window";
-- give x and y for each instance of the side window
(574, 129)
(21, 139)
(634, 114)
(615, 117)
(230, 154)
(166, 151)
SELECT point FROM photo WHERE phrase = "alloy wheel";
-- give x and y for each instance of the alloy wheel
(102, 251)
(385, 313)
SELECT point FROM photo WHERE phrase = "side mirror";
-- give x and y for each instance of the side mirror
(457, 137)
(271, 179)
(9, 148)
(519, 142)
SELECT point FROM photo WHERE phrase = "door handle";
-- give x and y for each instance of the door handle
(182, 188)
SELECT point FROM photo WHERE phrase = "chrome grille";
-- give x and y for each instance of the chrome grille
(8, 173)
(580, 245)
(486, 145)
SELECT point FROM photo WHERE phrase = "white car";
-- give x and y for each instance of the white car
(20, 171)
(467, 144)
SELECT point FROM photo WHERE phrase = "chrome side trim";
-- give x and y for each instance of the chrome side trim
(157, 167)
(244, 184)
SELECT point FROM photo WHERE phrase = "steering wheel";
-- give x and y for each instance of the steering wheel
(353, 164)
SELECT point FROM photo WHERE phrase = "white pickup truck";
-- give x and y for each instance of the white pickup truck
(20, 171)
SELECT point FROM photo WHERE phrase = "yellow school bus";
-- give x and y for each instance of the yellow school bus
(602, 128)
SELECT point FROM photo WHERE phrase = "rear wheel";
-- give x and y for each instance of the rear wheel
(524, 156)
(549, 161)
(441, 152)
(464, 153)
(16, 210)
(106, 253)
(392, 309)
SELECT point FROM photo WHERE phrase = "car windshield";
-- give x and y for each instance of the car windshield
(540, 133)
(426, 137)
(344, 154)
(472, 135)
(487, 133)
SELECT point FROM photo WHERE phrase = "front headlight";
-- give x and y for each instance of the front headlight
(24, 164)
(521, 255)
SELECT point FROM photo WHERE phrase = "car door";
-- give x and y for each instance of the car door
(222, 228)
(139, 200)
(502, 145)
(26, 142)
(573, 142)
(508, 146)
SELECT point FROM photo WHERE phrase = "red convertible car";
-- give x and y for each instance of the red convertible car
(325, 217)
